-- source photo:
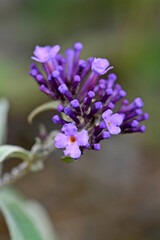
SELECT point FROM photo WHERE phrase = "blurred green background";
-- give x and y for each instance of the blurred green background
(125, 32)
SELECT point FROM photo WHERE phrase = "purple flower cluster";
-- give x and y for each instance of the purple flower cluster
(87, 99)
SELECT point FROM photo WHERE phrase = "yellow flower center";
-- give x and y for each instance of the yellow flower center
(109, 123)
(72, 139)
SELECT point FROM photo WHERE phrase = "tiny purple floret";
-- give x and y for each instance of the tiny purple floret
(100, 66)
(112, 121)
(71, 140)
(44, 54)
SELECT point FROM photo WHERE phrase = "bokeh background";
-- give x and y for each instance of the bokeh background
(115, 193)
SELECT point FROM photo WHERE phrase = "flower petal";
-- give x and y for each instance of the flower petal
(113, 129)
(100, 65)
(61, 141)
(44, 54)
(116, 119)
(82, 138)
(37, 59)
(69, 129)
(73, 150)
(54, 50)
(106, 115)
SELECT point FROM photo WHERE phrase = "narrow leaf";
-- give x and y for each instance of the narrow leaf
(8, 151)
(41, 219)
(4, 106)
(44, 107)
(26, 220)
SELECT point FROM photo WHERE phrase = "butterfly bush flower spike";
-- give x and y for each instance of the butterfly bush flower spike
(87, 99)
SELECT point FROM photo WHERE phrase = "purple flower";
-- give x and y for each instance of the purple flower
(88, 110)
(112, 121)
(100, 66)
(71, 140)
(44, 54)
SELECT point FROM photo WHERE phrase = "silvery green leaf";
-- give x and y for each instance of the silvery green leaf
(26, 219)
(41, 219)
(52, 105)
(4, 106)
(9, 151)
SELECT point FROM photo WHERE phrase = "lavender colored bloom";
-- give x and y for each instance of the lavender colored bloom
(87, 102)
(71, 140)
(112, 121)
(44, 54)
(100, 66)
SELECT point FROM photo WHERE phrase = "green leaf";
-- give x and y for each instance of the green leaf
(44, 107)
(8, 151)
(4, 106)
(26, 220)
(68, 159)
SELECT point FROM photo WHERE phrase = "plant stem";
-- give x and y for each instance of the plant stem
(39, 152)
(15, 174)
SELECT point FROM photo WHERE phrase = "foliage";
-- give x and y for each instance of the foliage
(44, 107)
(3, 119)
(25, 219)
